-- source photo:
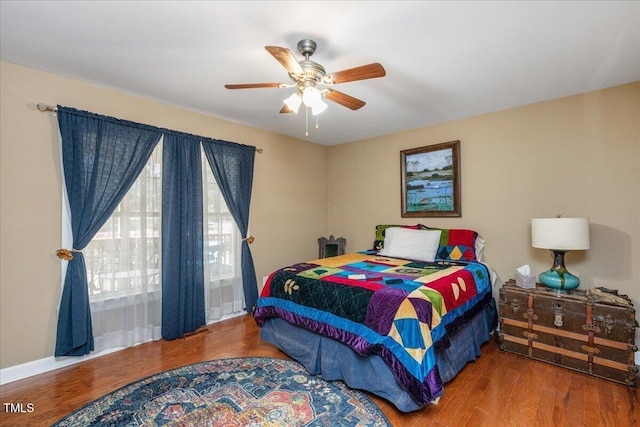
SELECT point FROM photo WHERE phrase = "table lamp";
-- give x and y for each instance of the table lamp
(560, 235)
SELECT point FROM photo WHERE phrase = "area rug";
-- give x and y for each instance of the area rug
(250, 391)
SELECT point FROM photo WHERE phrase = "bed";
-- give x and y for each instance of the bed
(399, 320)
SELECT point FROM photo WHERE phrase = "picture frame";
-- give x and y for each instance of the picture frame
(430, 181)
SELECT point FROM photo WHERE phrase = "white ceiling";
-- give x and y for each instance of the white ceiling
(445, 60)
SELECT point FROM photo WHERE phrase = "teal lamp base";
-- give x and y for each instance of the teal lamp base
(558, 278)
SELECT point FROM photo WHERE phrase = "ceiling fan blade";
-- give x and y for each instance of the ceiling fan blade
(369, 71)
(286, 58)
(344, 99)
(252, 85)
(285, 109)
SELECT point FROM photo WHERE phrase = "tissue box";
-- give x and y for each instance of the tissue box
(525, 281)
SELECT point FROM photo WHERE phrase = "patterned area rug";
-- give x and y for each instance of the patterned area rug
(252, 391)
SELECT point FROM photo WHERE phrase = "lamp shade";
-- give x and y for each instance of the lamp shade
(293, 102)
(319, 107)
(311, 96)
(562, 234)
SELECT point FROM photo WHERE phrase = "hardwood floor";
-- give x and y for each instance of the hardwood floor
(499, 389)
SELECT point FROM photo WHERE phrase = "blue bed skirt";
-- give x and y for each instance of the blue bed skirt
(336, 361)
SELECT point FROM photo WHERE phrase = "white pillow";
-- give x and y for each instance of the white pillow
(479, 247)
(419, 245)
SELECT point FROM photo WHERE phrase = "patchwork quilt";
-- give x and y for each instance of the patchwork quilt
(395, 308)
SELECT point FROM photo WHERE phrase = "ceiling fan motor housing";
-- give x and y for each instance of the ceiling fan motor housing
(312, 72)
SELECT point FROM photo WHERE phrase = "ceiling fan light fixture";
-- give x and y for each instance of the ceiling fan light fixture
(311, 96)
(293, 102)
(318, 107)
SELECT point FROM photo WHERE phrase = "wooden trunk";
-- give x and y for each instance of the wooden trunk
(570, 330)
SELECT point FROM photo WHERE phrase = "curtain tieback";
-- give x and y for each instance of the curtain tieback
(66, 254)
(249, 239)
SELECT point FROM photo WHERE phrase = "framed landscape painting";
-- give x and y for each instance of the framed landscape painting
(430, 179)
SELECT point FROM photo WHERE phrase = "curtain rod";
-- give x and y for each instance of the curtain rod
(44, 108)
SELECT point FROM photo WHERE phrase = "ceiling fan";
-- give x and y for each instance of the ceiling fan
(312, 81)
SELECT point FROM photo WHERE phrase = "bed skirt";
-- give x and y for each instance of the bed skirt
(336, 361)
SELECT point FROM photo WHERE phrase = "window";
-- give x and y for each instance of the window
(222, 252)
(124, 256)
(123, 265)
(124, 269)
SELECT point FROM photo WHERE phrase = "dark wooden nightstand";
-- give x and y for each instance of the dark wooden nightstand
(570, 330)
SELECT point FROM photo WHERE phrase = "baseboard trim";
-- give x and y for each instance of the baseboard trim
(41, 366)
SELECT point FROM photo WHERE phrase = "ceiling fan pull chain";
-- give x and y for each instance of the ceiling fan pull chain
(306, 121)
(317, 126)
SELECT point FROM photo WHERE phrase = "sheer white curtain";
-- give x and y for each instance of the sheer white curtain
(222, 251)
(123, 266)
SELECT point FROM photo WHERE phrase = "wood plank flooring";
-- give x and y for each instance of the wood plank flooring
(499, 389)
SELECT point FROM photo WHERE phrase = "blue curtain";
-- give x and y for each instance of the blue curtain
(101, 158)
(232, 166)
(183, 307)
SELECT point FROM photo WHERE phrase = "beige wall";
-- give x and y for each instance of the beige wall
(577, 156)
(285, 224)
